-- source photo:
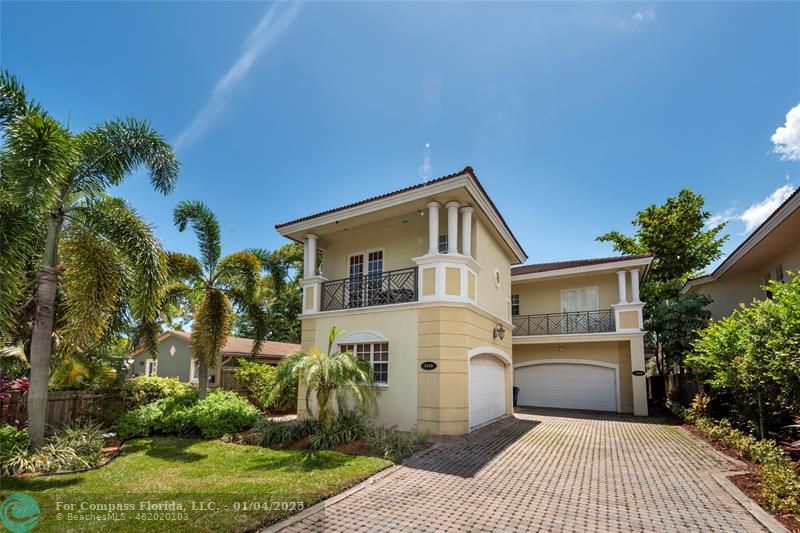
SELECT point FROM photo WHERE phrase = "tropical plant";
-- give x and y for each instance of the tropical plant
(96, 261)
(395, 445)
(223, 412)
(347, 426)
(674, 324)
(219, 283)
(281, 433)
(751, 358)
(701, 404)
(258, 381)
(142, 390)
(333, 378)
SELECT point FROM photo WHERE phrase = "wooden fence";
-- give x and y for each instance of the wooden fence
(62, 407)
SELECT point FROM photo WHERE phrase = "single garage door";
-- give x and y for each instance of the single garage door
(487, 396)
(567, 386)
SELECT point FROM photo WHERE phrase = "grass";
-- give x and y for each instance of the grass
(171, 469)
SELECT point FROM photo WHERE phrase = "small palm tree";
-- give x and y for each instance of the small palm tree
(335, 378)
(218, 283)
(96, 262)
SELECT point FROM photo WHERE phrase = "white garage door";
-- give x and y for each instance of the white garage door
(567, 386)
(487, 391)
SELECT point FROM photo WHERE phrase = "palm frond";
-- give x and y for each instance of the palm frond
(240, 271)
(21, 239)
(14, 101)
(135, 240)
(213, 324)
(184, 267)
(206, 227)
(116, 148)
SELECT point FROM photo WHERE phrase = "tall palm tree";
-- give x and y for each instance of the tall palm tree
(92, 253)
(335, 378)
(219, 283)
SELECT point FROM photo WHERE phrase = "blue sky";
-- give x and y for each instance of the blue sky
(573, 115)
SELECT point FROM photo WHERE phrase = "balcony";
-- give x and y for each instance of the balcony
(564, 323)
(393, 287)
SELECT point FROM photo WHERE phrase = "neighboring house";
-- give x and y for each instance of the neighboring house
(769, 253)
(174, 359)
(578, 334)
(420, 280)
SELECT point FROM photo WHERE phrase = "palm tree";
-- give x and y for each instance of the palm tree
(96, 260)
(219, 283)
(335, 378)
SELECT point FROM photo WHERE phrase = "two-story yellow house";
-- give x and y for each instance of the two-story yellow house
(420, 280)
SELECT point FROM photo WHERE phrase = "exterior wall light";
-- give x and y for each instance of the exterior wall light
(499, 331)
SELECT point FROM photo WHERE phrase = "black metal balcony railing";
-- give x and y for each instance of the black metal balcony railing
(564, 323)
(393, 287)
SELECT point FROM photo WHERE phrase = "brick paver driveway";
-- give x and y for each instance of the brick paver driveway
(548, 470)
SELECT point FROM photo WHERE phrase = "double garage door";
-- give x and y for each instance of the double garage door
(567, 386)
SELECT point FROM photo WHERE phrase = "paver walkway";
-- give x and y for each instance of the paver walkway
(549, 470)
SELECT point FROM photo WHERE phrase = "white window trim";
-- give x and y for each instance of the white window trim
(365, 255)
(147, 363)
(378, 384)
(596, 306)
(518, 305)
(192, 366)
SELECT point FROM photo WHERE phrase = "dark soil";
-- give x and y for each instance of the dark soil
(749, 483)
(357, 447)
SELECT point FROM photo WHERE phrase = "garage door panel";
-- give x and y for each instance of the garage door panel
(567, 386)
(486, 389)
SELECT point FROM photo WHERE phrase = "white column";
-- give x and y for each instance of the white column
(433, 228)
(623, 297)
(635, 285)
(452, 227)
(310, 255)
(466, 231)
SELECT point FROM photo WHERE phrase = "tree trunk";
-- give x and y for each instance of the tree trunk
(761, 425)
(42, 337)
(202, 378)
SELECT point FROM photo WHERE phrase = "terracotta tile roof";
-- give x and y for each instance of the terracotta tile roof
(559, 265)
(467, 170)
(242, 346)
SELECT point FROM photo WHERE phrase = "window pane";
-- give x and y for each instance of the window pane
(569, 301)
(443, 244)
(588, 299)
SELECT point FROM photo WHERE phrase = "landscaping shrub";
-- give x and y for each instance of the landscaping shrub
(347, 427)
(780, 485)
(143, 390)
(259, 380)
(276, 433)
(395, 445)
(169, 415)
(222, 412)
(11, 439)
(750, 359)
(75, 447)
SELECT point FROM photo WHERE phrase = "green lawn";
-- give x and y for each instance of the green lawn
(235, 479)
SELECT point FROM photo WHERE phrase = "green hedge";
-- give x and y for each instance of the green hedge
(143, 390)
(780, 485)
(221, 412)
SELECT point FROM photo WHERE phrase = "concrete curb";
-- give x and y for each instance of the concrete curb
(763, 517)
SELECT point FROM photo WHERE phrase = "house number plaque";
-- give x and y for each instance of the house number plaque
(638, 372)
(428, 365)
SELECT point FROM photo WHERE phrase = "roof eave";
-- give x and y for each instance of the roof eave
(587, 269)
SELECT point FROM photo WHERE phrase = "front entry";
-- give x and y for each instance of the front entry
(487, 399)
(567, 386)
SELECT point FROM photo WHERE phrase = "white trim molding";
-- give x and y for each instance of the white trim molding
(589, 362)
(612, 266)
(621, 308)
(363, 336)
(490, 350)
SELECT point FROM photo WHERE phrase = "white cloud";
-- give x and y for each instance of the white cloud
(275, 22)
(759, 211)
(644, 15)
(787, 138)
(721, 218)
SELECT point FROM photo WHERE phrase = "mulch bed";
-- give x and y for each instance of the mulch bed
(749, 483)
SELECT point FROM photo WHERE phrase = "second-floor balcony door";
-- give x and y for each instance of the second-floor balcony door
(363, 290)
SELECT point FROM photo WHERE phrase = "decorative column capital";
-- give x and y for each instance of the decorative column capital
(466, 209)
(433, 205)
(452, 204)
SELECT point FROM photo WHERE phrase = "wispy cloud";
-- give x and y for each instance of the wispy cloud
(272, 26)
(757, 213)
(644, 15)
(787, 137)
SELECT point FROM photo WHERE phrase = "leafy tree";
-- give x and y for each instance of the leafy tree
(96, 261)
(218, 283)
(331, 376)
(751, 357)
(678, 236)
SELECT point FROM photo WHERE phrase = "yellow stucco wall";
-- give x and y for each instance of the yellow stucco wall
(452, 281)
(544, 296)
(446, 335)
(615, 352)
(428, 281)
(397, 401)
(628, 320)
(489, 254)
